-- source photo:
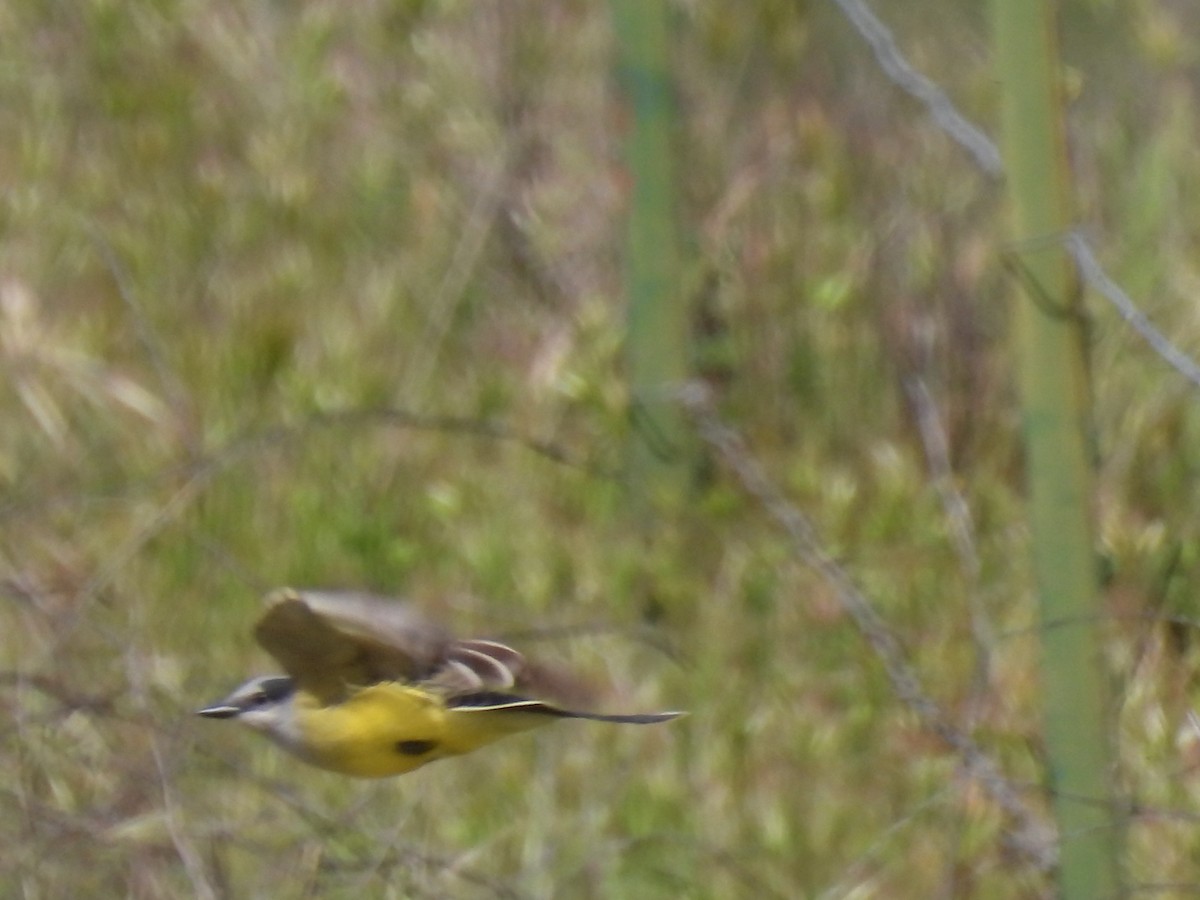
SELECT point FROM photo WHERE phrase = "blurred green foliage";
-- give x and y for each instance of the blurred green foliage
(233, 238)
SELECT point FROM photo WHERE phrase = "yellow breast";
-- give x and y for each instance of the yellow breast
(381, 730)
(391, 728)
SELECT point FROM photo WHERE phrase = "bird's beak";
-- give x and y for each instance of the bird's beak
(219, 711)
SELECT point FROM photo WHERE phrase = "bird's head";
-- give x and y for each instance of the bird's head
(264, 704)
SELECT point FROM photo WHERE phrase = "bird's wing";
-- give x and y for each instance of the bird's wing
(471, 666)
(331, 641)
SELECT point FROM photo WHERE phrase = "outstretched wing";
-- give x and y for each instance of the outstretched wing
(331, 641)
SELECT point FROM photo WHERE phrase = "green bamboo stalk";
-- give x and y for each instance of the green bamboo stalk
(656, 342)
(1055, 398)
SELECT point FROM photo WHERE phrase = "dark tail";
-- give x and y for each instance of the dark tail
(493, 702)
(629, 719)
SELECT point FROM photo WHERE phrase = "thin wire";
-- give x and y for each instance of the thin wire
(883, 44)
(987, 156)
(1097, 279)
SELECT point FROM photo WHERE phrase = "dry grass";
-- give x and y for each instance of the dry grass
(329, 294)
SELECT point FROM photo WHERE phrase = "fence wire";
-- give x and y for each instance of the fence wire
(983, 150)
(1031, 835)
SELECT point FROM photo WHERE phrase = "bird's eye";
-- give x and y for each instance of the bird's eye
(258, 698)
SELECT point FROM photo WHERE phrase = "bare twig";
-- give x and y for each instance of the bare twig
(258, 438)
(1032, 838)
(958, 516)
(185, 845)
(151, 341)
(67, 697)
(392, 417)
(462, 266)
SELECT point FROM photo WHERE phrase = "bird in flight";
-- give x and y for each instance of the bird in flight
(373, 688)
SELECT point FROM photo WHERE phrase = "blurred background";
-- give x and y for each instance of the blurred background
(331, 294)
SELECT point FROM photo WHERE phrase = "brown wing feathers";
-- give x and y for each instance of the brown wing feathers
(476, 665)
(331, 641)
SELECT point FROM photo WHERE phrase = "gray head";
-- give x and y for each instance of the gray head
(264, 704)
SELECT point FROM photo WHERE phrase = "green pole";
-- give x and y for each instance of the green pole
(1050, 338)
(656, 349)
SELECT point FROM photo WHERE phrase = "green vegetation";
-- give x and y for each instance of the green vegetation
(658, 329)
(1056, 411)
(332, 294)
